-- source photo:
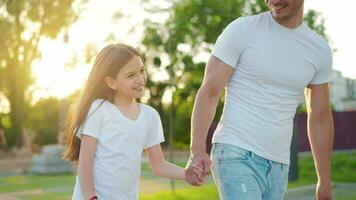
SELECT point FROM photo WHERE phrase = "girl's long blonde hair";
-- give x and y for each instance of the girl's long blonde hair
(108, 62)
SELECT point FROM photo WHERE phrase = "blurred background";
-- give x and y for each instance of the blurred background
(47, 49)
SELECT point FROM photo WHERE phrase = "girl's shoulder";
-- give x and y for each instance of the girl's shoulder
(98, 104)
(98, 101)
(148, 109)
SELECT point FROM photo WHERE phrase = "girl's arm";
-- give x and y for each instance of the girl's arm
(161, 167)
(85, 168)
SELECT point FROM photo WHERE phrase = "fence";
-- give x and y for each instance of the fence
(345, 131)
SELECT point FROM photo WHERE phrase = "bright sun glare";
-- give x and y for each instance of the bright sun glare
(51, 76)
(95, 24)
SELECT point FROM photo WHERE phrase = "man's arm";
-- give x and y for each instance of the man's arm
(321, 136)
(217, 74)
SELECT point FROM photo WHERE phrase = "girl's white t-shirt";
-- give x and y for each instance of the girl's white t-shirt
(120, 144)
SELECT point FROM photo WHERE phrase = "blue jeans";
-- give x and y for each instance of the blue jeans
(242, 175)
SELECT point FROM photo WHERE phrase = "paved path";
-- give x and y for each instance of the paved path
(308, 192)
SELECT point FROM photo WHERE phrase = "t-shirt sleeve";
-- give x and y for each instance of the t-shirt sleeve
(230, 43)
(155, 132)
(324, 71)
(92, 125)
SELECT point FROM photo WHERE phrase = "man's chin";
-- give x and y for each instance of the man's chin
(280, 16)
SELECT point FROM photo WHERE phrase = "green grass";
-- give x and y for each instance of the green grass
(49, 196)
(33, 181)
(55, 187)
(206, 192)
(349, 195)
(343, 169)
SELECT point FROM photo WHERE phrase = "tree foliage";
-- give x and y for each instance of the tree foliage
(175, 45)
(44, 119)
(314, 20)
(23, 23)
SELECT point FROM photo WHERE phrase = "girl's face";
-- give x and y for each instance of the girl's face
(130, 81)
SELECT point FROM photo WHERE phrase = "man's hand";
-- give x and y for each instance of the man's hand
(324, 191)
(194, 175)
(195, 162)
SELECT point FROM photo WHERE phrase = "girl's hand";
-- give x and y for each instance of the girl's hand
(198, 169)
(195, 173)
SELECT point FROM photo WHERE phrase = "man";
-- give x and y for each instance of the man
(266, 62)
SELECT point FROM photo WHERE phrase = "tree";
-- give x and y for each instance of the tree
(191, 29)
(314, 20)
(44, 119)
(23, 24)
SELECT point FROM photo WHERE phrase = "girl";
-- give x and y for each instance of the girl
(110, 128)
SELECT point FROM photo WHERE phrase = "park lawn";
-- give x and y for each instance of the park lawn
(35, 182)
(205, 192)
(349, 195)
(53, 187)
(208, 192)
(48, 196)
(343, 169)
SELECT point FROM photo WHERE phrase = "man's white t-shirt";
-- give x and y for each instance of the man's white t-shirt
(272, 66)
(120, 144)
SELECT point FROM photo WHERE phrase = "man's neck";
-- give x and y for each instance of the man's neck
(292, 22)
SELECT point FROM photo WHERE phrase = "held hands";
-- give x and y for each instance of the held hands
(194, 175)
(198, 167)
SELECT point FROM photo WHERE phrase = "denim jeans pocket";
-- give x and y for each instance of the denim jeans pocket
(227, 153)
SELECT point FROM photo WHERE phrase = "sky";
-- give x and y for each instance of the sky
(95, 24)
(339, 22)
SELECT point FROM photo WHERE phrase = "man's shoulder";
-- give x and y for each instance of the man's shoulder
(318, 39)
(250, 20)
(261, 15)
(257, 17)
